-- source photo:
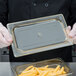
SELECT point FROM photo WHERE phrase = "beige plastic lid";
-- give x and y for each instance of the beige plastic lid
(38, 35)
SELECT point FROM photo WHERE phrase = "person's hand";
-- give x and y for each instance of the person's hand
(72, 32)
(5, 37)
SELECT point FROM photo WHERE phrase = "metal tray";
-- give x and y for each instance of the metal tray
(52, 63)
(40, 34)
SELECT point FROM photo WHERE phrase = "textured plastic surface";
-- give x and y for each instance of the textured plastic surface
(37, 35)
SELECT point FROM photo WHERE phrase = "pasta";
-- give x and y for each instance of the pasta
(43, 71)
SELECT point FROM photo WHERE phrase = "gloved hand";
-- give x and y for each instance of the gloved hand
(72, 33)
(5, 37)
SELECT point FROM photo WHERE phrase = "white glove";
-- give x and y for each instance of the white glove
(5, 37)
(72, 33)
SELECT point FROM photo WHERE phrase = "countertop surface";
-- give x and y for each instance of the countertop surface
(5, 68)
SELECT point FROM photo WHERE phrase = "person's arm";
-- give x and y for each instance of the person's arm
(72, 32)
(5, 37)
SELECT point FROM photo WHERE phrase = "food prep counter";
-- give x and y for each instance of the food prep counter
(5, 68)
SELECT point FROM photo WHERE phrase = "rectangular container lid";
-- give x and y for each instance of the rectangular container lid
(37, 35)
